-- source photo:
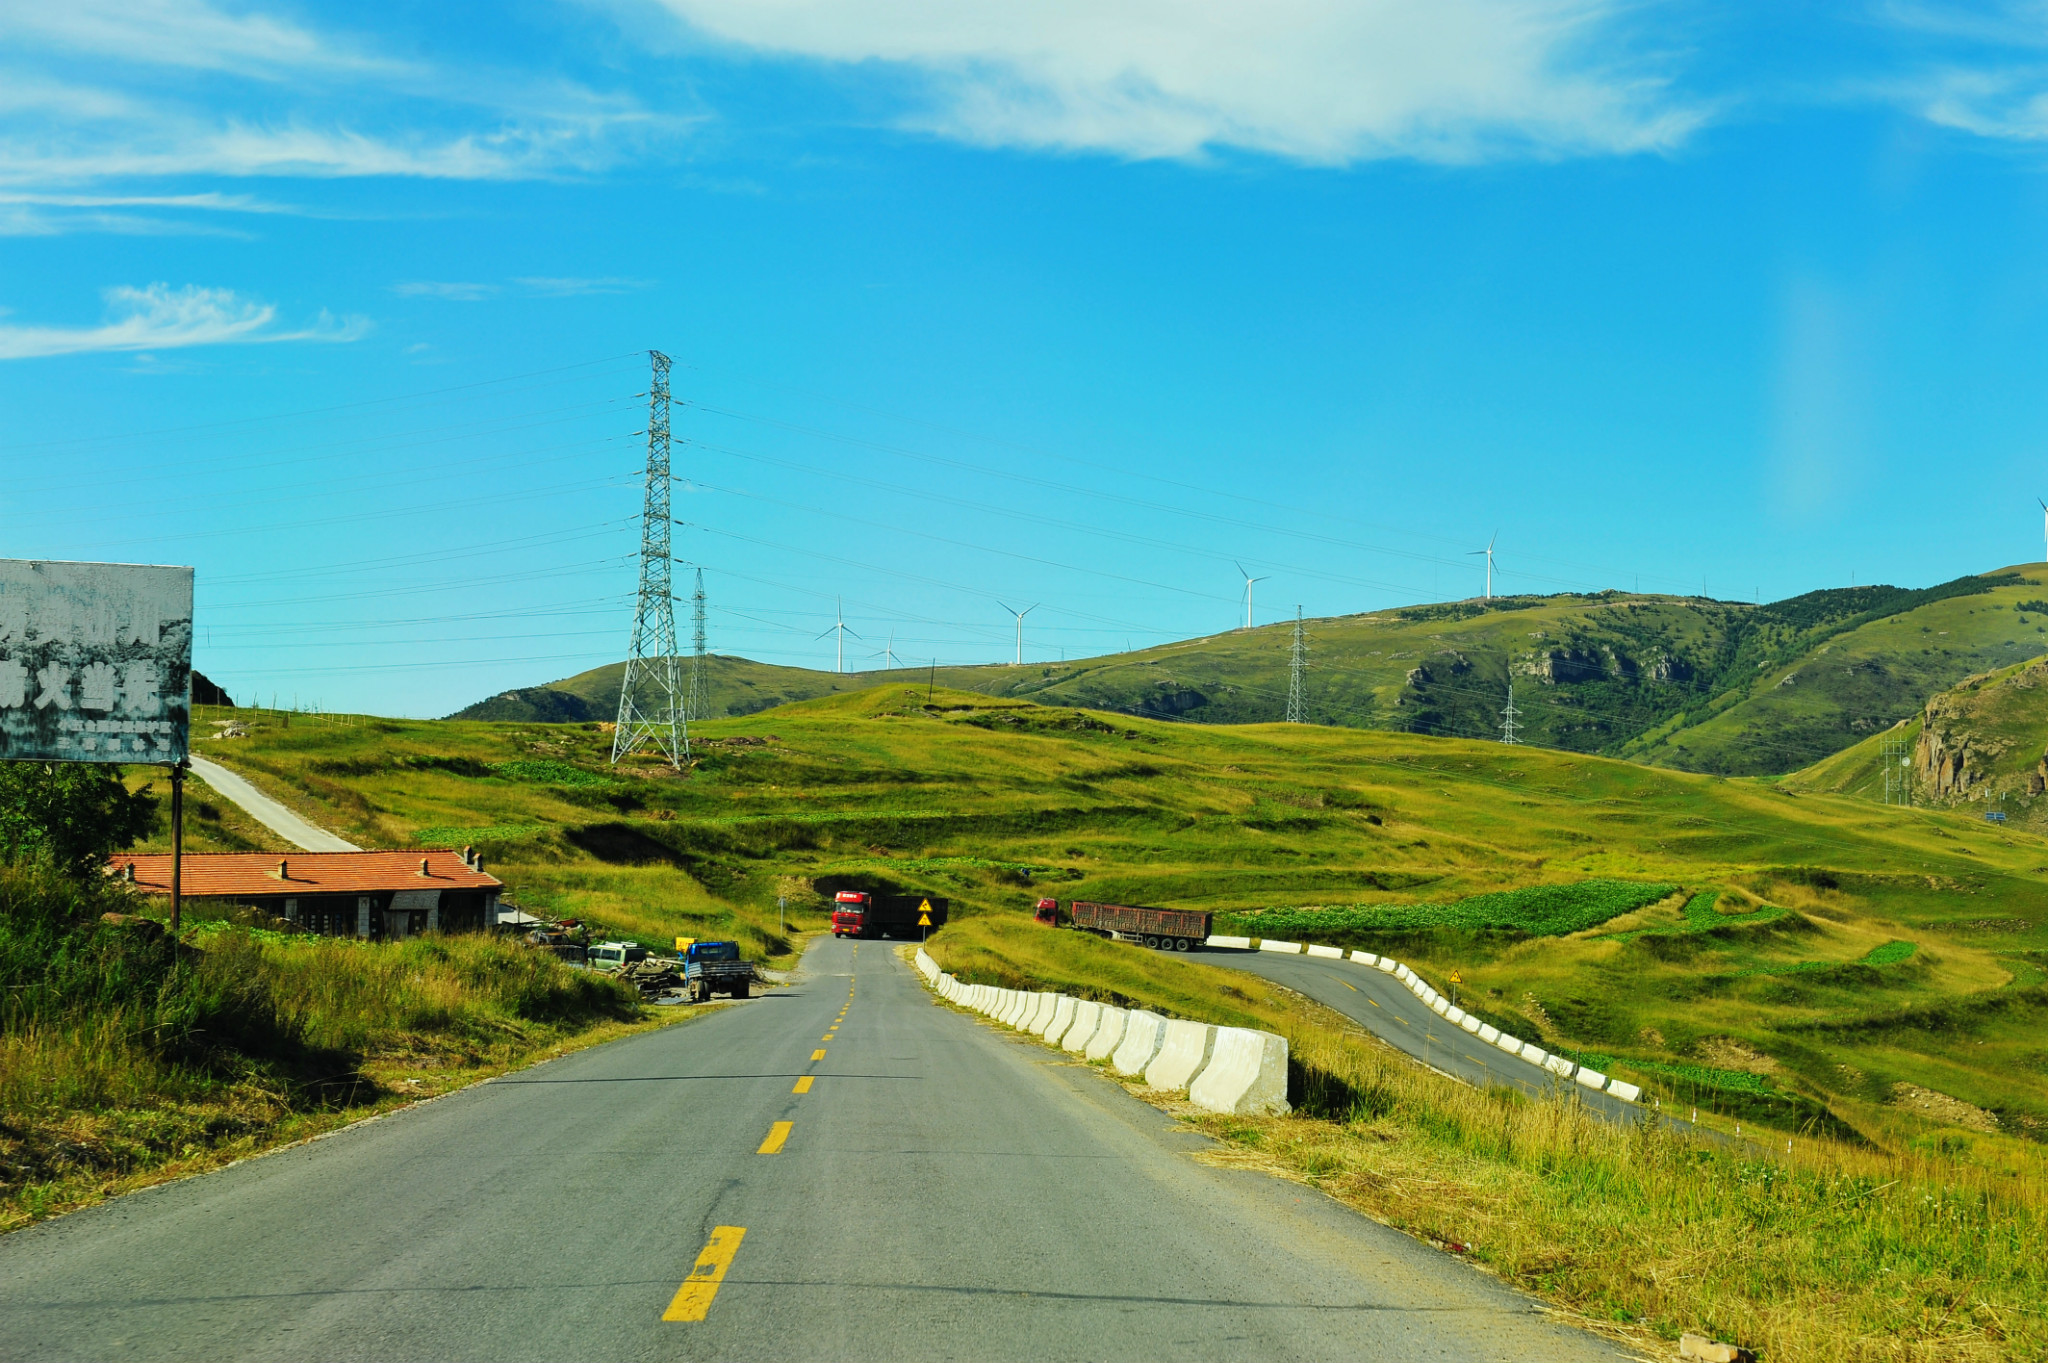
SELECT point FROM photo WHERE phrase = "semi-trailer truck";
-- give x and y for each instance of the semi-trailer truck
(859, 913)
(1160, 929)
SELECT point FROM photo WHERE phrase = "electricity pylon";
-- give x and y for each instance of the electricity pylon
(1297, 663)
(1508, 717)
(698, 700)
(651, 693)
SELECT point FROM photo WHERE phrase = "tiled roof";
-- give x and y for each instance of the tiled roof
(248, 875)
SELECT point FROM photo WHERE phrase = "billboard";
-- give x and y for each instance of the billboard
(95, 662)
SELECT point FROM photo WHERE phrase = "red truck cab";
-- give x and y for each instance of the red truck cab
(849, 913)
(1048, 911)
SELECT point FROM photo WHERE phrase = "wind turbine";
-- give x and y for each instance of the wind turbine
(1020, 626)
(1488, 551)
(1248, 581)
(839, 628)
(888, 652)
(2044, 527)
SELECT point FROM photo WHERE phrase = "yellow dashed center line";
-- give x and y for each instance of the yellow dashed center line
(826, 1037)
(803, 1085)
(817, 1055)
(777, 1134)
(694, 1297)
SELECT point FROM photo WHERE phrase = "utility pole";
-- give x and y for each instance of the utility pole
(1508, 717)
(1896, 757)
(1297, 663)
(651, 693)
(695, 709)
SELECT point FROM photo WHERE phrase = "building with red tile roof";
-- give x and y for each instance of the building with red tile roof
(385, 895)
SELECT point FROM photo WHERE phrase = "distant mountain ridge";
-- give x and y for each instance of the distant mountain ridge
(1687, 682)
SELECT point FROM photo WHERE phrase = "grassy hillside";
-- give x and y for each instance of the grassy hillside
(1684, 682)
(1823, 959)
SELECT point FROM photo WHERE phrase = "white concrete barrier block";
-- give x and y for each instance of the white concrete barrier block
(1592, 1079)
(1533, 1053)
(1062, 1018)
(1034, 1017)
(1469, 1023)
(1284, 948)
(1109, 1035)
(1488, 1034)
(1628, 1093)
(1403, 973)
(1246, 1074)
(1143, 1032)
(926, 964)
(1454, 1015)
(1559, 1066)
(1087, 1017)
(1183, 1053)
(1011, 1004)
(1389, 965)
(1229, 943)
(1365, 958)
(1511, 1044)
(1333, 953)
(1441, 1006)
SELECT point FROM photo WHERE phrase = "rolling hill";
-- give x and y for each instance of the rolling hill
(1686, 682)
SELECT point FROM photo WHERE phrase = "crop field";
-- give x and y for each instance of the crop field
(1845, 958)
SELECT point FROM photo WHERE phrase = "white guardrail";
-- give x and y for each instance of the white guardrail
(1223, 1069)
(1536, 1055)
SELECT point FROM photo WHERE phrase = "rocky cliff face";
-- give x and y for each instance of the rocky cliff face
(1960, 740)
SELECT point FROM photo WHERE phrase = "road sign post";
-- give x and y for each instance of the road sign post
(924, 918)
(1456, 980)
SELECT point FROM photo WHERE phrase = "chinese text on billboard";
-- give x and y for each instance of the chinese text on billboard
(95, 662)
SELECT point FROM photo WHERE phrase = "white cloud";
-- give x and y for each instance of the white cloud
(573, 287)
(447, 291)
(159, 317)
(1325, 81)
(184, 33)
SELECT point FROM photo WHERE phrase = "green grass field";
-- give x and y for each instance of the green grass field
(1779, 999)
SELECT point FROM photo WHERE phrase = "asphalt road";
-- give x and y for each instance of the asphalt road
(907, 1183)
(1383, 1005)
(270, 813)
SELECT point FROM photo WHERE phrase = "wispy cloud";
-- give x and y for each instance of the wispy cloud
(1322, 81)
(159, 317)
(447, 291)
(573, 287)
(186, 33)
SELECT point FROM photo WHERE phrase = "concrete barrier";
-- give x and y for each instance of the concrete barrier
(1037, 1013)
(1143, 1032)
(1559, 1066)
(1511, 1044)
(1230, 943)
(1592, 1079)
(1109, 1035)
(1628, 1093)
(1062, 1018)
(1365, 958)
(1469, 1023)
(1183, 1052)
(1388, 965)
(1284, 948)
(1334, 953)
(1533, 1053)
(1455, 1016)
(1246, 1073)
(1087, 1017)
(1441, 1006)
(1404, 974)
(1488, 1033)
(927, 965)
(1008, 1006)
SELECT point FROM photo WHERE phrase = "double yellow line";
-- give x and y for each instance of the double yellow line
(693, 1299)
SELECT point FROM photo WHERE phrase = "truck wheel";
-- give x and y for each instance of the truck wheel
(1180, 944)
(1152, 942)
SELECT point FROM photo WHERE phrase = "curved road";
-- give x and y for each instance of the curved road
(767, 1182)
(276, 817)
(1382, 1005)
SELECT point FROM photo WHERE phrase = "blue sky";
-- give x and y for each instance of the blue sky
(978, 305)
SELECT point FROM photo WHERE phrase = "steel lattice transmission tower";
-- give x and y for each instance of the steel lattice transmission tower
(1897, 761)
(1297, 663)
(1508, 718)
(695, 708)
(651, 695)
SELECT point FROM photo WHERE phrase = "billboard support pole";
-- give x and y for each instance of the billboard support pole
(177, 845)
